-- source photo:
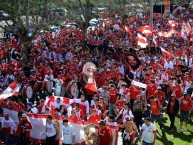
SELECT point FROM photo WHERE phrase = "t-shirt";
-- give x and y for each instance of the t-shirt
(139, 105)
(113, 96)
(148, 132)
(68, 133)
(172, 106)
(186, 104)
(155, 105)
(160, 95)
(151, 90)
(105, 136)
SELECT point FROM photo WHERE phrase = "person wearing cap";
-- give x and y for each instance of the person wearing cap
(41, 107)
(104, 134)
(130, 129)
(186, 106)
(52, 131)
(31, 108)
(148, 133)
(113, 92)
(172, 110)
(23, 130)
(94, 117)
(7, 126)
(68, 133)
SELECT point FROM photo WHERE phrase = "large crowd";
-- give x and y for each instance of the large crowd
(55, 67)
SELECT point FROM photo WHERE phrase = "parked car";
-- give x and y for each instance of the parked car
(4, 15)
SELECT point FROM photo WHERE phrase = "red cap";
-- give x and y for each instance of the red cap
(42, 101)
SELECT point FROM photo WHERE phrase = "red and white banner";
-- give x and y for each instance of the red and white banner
(172, 23)
(128, 30)
(11, 90)
(186, 30)
(51, 102)
(167, 34)
(146, 30)
(38, 132)
(138, 84)
(141, 41)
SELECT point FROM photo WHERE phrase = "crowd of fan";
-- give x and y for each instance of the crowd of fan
(60, 56)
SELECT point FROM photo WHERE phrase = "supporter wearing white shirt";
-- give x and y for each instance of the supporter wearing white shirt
(125, 112)
(7, 124)
(121, 69)
(110, 121)
(168, 64)
(68, 133)
(148, 132)
(68, 55)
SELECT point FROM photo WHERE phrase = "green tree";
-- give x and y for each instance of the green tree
(28, 18)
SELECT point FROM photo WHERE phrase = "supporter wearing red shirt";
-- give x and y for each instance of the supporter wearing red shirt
(186, 106)
(134, 92)
(94, 117)
(155, 110)
(178, 90)
(121, 103)
(126, 92)
(151, 88)
(113, 94)
(73, 117)
(172, 110)
(186, 103)
(23, 130)
(160, 95)
(104, 134)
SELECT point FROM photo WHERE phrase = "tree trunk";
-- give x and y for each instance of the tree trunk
(25, 53)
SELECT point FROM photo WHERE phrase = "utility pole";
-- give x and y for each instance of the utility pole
(151, 13)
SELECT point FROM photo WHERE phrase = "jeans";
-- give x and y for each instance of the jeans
(138, 118)
(112, 108)
(51, 140)
(156, 118)
(172, 119)
(146, 143)
(7, 139)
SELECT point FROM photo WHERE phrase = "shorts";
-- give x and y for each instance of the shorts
(184, 115)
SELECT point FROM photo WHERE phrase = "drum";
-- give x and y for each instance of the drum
(72, 88)
(27, 91)
(47, 85)
(58, 89)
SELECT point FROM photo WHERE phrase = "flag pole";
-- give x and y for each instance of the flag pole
(151, 13)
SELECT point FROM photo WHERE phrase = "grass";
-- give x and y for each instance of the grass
(164, 137)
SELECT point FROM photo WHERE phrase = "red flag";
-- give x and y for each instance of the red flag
(11, 90)
(146, 30)
(141, 41)
(172, 23)
(165, 53)
(127, 29)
